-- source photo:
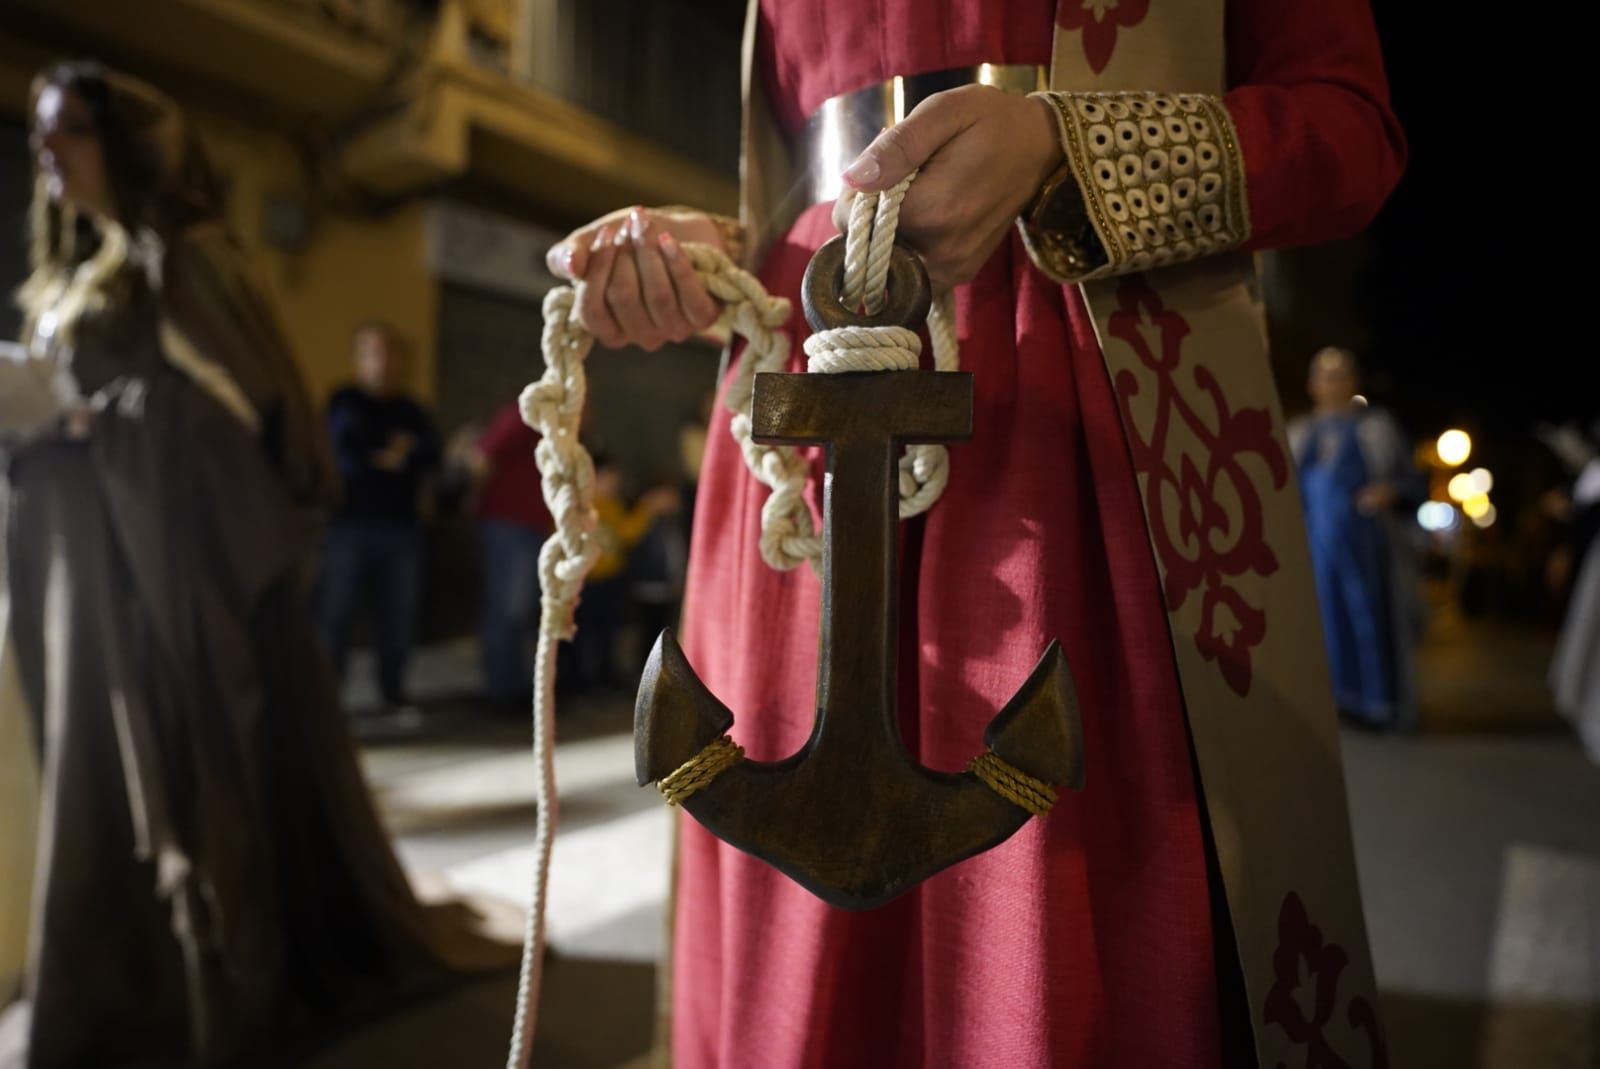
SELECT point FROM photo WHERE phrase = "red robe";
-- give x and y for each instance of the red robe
(1086, 939)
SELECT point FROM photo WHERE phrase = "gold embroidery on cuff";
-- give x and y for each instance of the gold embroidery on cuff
(1160, 175)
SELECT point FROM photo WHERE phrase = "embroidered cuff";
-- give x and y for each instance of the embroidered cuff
(1159, 180)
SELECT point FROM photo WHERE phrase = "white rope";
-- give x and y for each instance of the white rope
(553, 406)
(788, 534)
(869, 241)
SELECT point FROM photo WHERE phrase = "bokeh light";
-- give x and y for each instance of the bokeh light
(1476, 507)
(1437, 516)
(1454, 447)
(1462, 486)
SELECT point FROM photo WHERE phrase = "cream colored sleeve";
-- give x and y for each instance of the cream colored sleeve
(1159, 178)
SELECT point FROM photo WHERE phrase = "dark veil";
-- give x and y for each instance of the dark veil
(168, 200)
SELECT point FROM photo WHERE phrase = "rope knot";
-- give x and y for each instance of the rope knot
(788, 532)
(863, 349)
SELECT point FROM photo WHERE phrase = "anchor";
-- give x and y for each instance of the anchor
(851, 816)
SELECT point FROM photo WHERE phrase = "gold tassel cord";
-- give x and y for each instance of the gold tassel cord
(697, 773)
(1013, 784)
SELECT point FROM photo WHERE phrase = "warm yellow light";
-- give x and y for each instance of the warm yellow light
(1454, 447)
(1486, 519)
(1482, 480)
(1461, 487)
(1476, 507)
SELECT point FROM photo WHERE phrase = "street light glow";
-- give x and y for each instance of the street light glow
(1462, 486)
(1482, 480)
(1454, 447)
(1477, 507)
(1437, 516)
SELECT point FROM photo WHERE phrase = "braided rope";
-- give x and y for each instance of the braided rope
(553, 406)
(788, 531)
(695, 774)
(1013, 784)
(869, 241)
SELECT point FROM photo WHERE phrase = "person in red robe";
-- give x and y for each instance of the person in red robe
(1087, 939)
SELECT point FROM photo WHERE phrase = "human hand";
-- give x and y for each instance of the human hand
(635, 285)
(983, 153)
(662, 499)
(393, 456)
(77, 421)
(1375, 498)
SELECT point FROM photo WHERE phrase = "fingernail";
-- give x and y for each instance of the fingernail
(559, 260)
(669, 246)
(636, 222)
(863, 171)
(621, 237)
(601, 236)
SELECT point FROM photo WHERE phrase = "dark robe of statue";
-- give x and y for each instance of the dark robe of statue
(212, 879)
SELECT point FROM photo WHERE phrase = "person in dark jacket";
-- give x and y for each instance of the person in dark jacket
(386, 448)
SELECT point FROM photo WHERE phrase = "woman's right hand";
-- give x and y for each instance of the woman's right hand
(635, 284)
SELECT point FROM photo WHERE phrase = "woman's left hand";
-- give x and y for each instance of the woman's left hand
(984, 155)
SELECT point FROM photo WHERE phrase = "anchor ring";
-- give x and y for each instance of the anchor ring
(910, 293)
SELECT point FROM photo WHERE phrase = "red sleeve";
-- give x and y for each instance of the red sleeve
(1322, 149)
(506, 432)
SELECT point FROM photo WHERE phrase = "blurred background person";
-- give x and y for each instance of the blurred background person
(660, 565)
(212, 879)
(692, 432)
(603, 608)
(386, 448)
(1573, 527)
(1575, 669)
(1358, 485)
(513, 523)
(656, 573)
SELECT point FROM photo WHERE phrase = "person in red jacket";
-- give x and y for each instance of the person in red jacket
(514, 523)
(1088, 939)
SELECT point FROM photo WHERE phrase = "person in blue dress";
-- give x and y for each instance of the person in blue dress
(1356, 479)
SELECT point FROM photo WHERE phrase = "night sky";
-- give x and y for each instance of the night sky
(1474, 291)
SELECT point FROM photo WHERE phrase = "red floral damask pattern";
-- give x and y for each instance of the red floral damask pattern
(1099, 20)
(1305, 993)
(1200, 468)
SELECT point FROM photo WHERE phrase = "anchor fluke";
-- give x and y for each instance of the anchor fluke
(1040, 730)
(675, 716)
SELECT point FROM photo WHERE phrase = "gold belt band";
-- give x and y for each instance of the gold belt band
(844, 125)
